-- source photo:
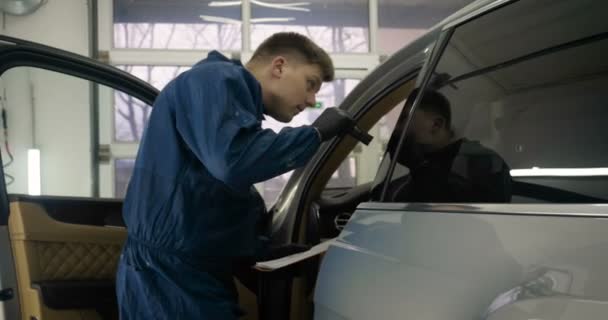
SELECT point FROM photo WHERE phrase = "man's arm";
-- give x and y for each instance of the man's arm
(226, 136)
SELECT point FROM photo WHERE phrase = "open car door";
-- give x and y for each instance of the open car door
(58, 255)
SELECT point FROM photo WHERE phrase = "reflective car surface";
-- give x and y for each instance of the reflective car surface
(507, 219)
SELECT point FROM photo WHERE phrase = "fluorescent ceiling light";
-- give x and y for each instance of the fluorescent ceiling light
(559, 172)
(263, 20)
(224, 3)
(234, 21)
(220, 19)
(33, 172)
(294, 6)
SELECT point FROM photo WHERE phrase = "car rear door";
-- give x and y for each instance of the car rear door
(526, 84)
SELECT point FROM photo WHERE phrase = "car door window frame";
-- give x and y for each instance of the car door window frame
(423, 79)
(16, 53)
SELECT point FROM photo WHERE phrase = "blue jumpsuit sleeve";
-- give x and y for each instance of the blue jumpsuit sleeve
(217, 121)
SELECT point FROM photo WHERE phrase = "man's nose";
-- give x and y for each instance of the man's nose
(311, 100)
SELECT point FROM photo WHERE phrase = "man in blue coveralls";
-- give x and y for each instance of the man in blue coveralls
(191, 207)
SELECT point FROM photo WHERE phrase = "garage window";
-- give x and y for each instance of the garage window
(159, 24)
(340, 26)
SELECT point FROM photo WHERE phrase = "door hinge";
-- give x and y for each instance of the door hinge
(104, 154)
(6, 294)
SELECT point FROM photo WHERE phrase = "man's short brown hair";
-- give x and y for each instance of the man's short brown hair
(284, 43)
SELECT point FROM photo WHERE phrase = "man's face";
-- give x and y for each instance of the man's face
(292, 88)
(423, 127)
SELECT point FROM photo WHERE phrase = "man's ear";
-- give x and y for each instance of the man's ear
(277, 65)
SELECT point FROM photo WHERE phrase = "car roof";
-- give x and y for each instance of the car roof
(414, 54)
(468, 12)
(471, 10)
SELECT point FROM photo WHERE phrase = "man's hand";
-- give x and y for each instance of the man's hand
(333, 122)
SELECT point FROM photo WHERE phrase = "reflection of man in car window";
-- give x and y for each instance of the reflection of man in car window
(444, 168)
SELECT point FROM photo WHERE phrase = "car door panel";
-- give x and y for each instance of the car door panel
(56, 260)
(63, 251)
(463, 261)
(66, 251)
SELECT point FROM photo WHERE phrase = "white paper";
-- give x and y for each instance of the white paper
(272, 265)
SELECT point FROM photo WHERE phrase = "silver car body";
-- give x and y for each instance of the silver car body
(470, 260)
(467, 262)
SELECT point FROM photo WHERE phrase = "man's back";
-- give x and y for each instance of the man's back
(172, 191)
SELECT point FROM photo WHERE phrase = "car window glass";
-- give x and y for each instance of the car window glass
(524, 118)
(47, 147)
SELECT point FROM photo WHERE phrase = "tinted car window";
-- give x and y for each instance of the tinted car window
(519, 111)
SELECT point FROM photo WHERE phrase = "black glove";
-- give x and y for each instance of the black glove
(333, 122)
(276, 252)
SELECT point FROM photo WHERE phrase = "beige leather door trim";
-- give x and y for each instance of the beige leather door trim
(45, 249)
